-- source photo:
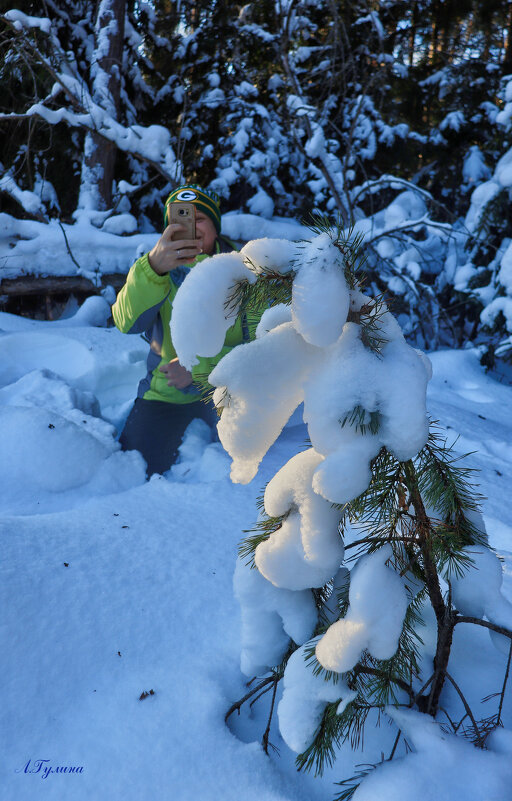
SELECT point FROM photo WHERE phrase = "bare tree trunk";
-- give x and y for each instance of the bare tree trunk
(100, 154)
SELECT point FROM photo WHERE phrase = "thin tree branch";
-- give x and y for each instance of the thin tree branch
(262, 693)
(505, 680)
(485, 623)
(266, 734)
(238, 704)
(68, 248)
(467, 708)
(392, 754)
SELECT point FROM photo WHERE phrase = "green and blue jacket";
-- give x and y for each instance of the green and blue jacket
(144, 306)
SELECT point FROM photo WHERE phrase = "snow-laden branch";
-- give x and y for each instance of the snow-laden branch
(387, 182)
(150, 144)
(28, 200)
(21, 21)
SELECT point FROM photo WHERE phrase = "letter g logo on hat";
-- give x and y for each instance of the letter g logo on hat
(186, 194)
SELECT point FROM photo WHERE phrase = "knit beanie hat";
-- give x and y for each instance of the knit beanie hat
(204, 199)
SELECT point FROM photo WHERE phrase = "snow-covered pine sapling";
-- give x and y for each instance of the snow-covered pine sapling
(375, 491)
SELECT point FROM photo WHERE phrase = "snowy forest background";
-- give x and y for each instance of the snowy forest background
(283, 108)
(122, 639)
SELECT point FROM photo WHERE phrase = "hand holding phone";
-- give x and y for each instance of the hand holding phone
(178, 244)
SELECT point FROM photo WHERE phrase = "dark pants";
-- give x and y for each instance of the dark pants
(156, 428)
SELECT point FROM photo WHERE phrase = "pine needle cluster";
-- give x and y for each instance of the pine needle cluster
(269, 289)
(260, 532)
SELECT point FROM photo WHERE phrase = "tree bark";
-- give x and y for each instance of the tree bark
(99, 153)
(445, 616)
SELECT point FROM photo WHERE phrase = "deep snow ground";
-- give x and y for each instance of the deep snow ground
(112, 587)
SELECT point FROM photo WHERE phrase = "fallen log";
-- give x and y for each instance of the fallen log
(57, 285)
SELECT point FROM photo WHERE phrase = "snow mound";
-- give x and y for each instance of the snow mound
(51, 463)
(442, 767)
(200, 459)
(23, 352)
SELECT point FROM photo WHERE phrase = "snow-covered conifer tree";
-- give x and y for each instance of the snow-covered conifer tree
(485, 277)
(80, 131)
(364, 535)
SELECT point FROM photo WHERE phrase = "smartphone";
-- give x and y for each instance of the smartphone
(184, 214)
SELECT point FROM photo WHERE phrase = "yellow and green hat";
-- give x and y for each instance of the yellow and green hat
(204, 199)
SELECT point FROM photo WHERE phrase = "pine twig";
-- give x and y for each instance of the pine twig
(68, 248)
(262, 693)
(452, 724)
(485, 623)
(265, 741)
(467, 708)
(395, 744)
(505, 680)
(238, 704)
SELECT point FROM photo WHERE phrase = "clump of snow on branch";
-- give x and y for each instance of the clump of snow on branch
(21, 21)
(320, 296)
(273, 317)
(205, 295)
(391, 383)
(270, 618)
(477, 593)
(378, 603)
(262, 384)
(269, 254)
(305, 697)
(307, 550)
(254, 408)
